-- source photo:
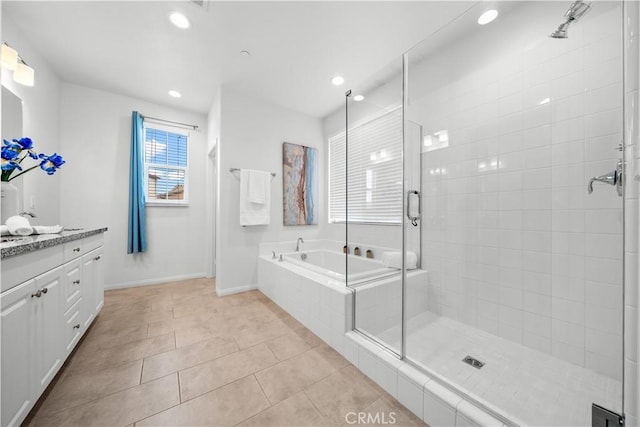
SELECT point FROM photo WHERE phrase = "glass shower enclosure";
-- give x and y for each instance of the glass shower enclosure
(482, 174)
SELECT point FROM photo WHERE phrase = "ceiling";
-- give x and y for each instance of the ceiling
(129, 47)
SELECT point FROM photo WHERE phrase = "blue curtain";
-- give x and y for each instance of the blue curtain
(137, 241)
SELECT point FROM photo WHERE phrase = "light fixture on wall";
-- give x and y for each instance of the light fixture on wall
(9, 57)
(11, 61)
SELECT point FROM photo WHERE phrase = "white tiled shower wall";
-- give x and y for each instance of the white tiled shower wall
(632, 229)
(513, 243)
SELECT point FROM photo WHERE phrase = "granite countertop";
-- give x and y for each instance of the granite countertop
(17, 245)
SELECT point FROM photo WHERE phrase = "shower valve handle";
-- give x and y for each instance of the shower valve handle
(611, 178)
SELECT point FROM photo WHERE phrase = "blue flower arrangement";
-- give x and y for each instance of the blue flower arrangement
(14, 153)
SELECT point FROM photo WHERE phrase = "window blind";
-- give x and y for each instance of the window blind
(373, 170)
(166, 165)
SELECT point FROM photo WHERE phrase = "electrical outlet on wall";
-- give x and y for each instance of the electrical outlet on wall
(32, 202)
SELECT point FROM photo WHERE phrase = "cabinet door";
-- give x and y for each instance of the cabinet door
(49, 319)
(18, 342)
(88, 289)
(93, 284)
(98, 279)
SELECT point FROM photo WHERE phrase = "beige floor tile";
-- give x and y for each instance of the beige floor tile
(287, 346)
(225, 351)
(224, 370)
(120, 408)
(169, 325)
(333, 357)
(115, 338)
(297, 410)
(256, 332)
(188, 336)
(293, 375)
(225, 406)
(196, 307)
(74, 390)
(345, 391)
(91, 361)
(186, 357)
(312, 339)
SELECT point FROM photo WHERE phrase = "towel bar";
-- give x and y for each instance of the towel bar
(273, 174)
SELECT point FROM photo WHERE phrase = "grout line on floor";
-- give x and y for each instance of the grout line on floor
(271, 404)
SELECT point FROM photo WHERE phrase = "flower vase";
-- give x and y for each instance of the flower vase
(9, 204)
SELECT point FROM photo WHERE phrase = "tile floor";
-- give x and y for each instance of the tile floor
(176, 354)
(535, 387)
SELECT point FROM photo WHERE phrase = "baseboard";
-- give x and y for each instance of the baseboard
(154, 281)
(236, 290)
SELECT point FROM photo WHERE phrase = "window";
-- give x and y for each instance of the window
(166, 153)
(375, 172)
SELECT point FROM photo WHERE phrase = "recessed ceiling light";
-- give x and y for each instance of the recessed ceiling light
(245, 53)
(487, 17)
(179, 20)
(175, 94)
(337, 80)
(358, 98)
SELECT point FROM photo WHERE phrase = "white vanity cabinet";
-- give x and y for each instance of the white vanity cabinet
(50, 297)
(18, 357)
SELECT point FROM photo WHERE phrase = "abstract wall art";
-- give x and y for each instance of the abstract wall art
(300, 184)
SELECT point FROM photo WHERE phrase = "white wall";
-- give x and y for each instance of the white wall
(514, 244)
(96, 138)
(251, 136)
(41, 122)
(212, 190)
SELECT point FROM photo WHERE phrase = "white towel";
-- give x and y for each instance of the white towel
(253, 213)
(19, 226)
(394, 259)
(4, 230)
(258, 184)
(47, 229)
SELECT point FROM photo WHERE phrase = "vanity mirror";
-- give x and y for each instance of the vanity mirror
(12, 193)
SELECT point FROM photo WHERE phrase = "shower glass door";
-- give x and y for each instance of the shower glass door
(372, 152)
(524, 269)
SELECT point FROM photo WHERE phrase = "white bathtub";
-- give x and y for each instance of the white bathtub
(332, 265)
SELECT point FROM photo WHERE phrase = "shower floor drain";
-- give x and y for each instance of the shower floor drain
(473, 362)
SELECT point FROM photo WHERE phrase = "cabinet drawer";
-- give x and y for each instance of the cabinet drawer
(72, 282)
(15, 271)
(73, 326)
(72, 249)
(92, 242)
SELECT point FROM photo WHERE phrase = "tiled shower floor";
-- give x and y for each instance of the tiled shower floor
(534, 387)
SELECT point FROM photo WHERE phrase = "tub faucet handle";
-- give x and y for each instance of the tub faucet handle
(280, 259)
(273, 254)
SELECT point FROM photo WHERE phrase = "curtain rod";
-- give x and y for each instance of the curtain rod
(194, 127)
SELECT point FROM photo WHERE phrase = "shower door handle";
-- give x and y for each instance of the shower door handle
(413, 219)
(612, 178)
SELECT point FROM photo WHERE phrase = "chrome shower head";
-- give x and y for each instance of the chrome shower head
(561, 31)
(575, 12)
